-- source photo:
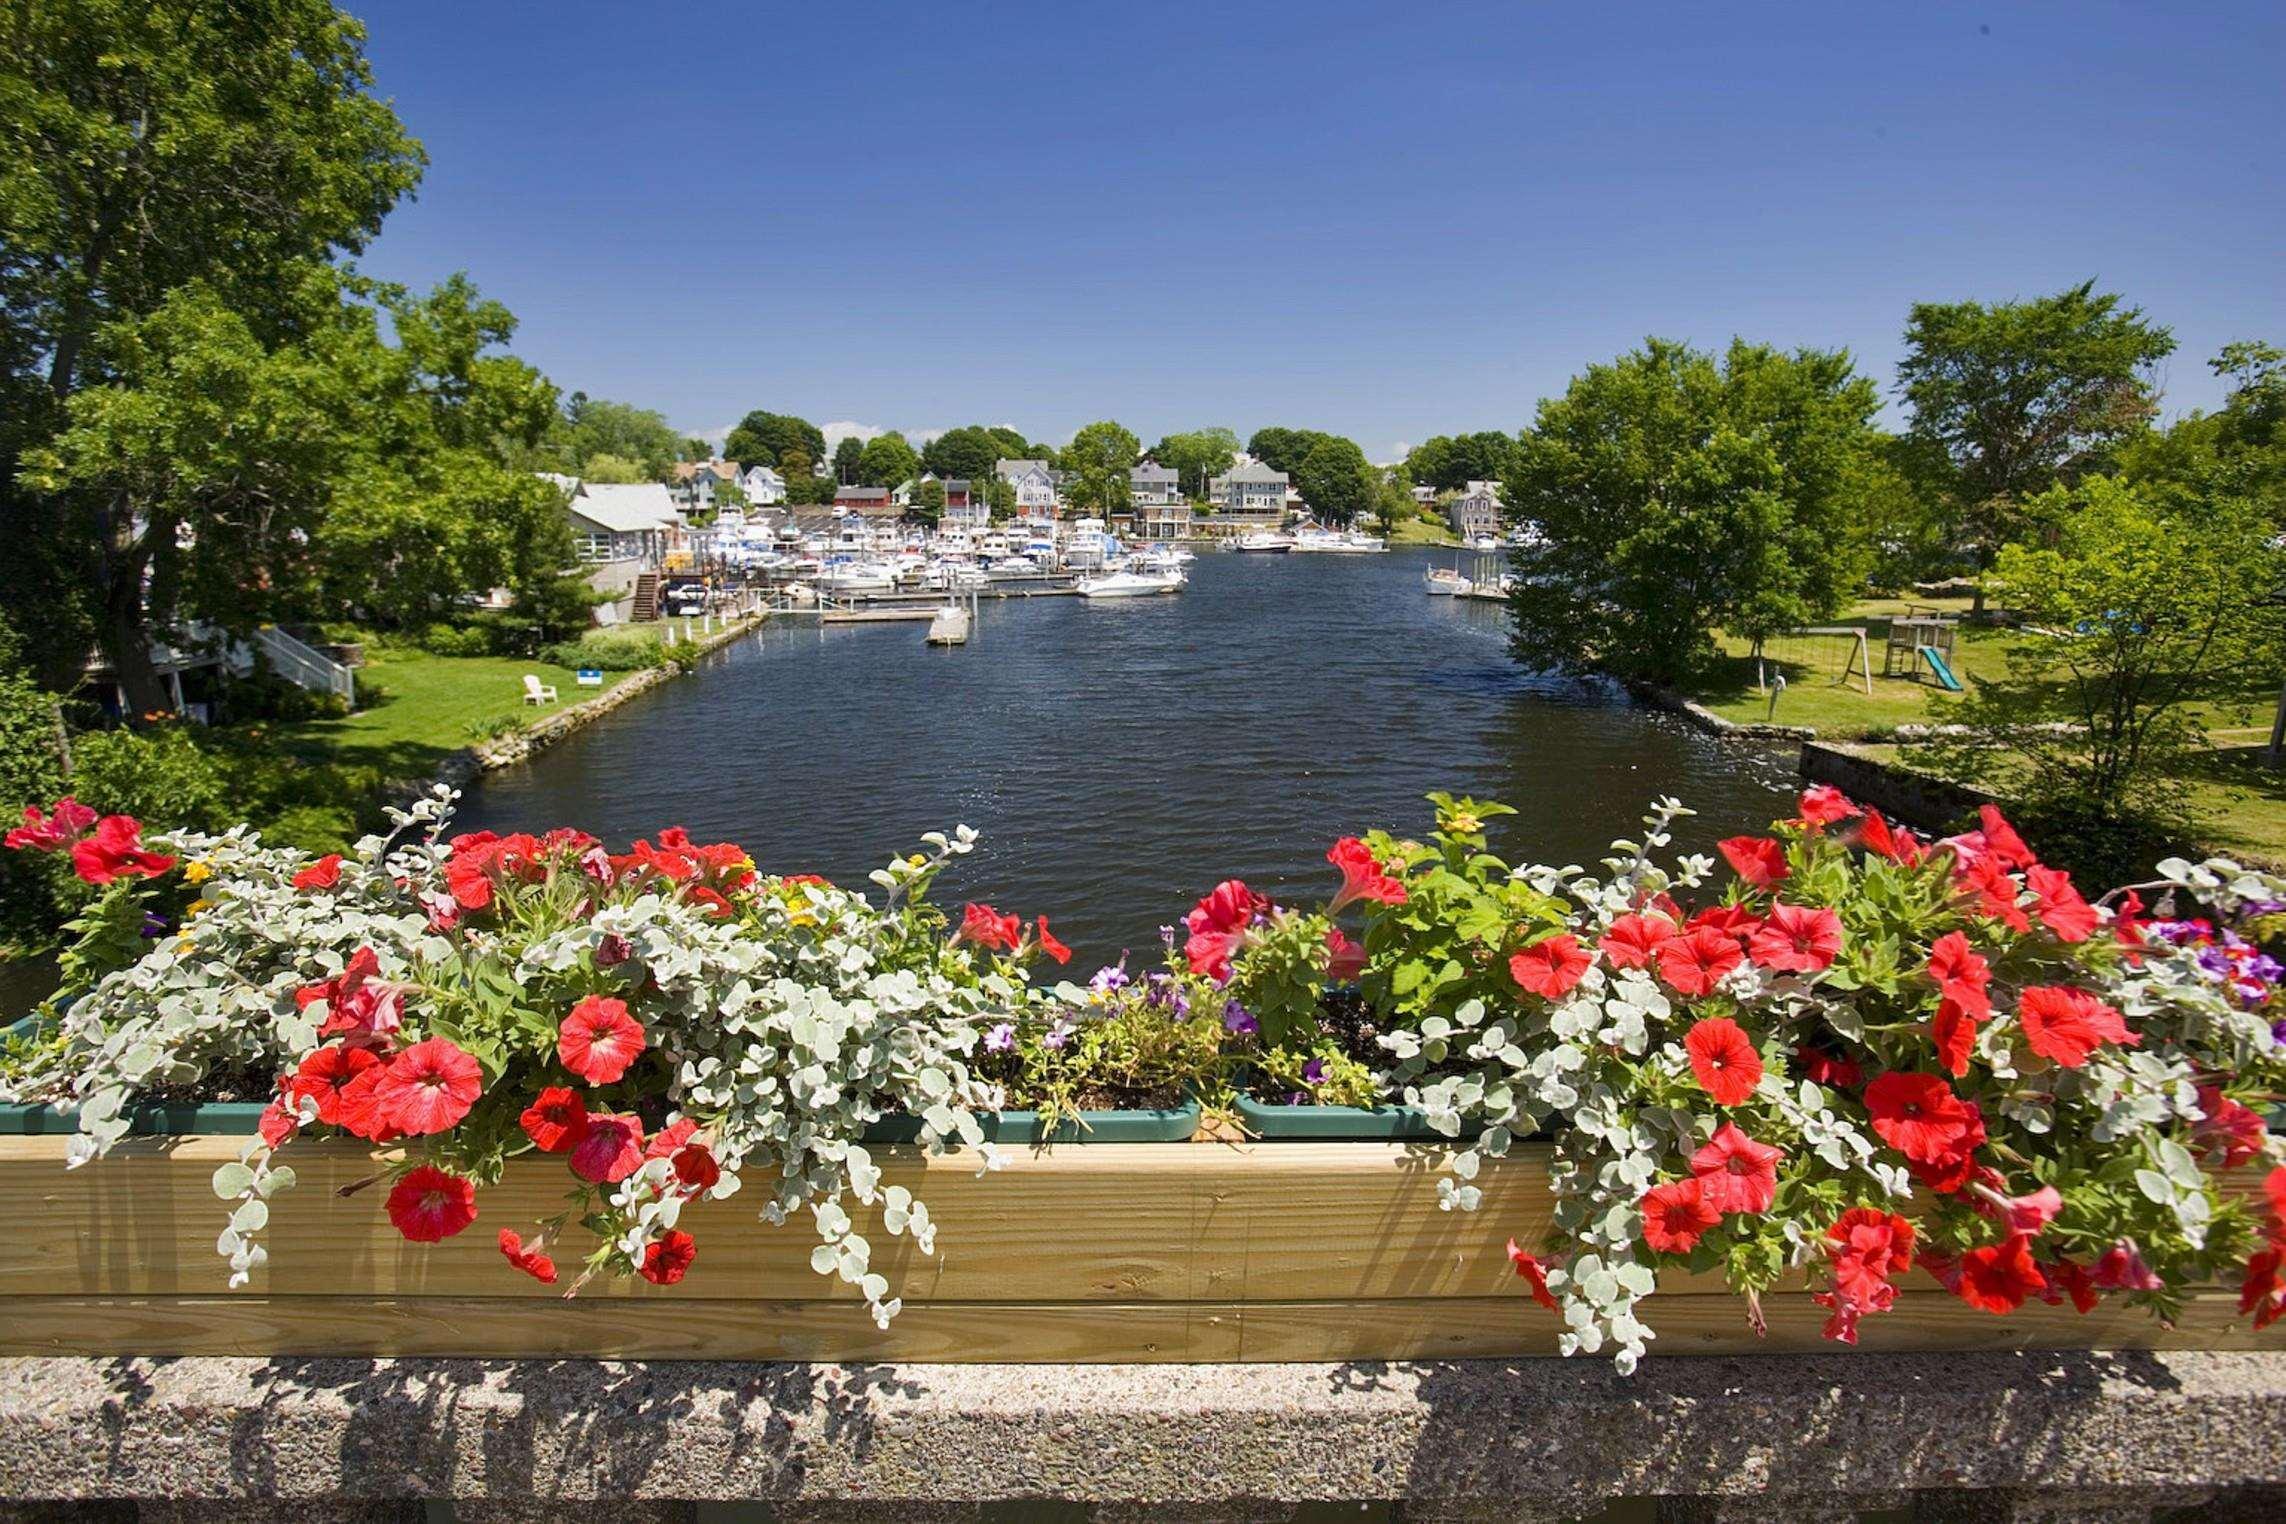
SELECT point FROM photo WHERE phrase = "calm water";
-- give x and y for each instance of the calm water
(1120, 756)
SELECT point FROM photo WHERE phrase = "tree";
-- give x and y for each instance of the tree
(1392, 500)
(1449, 463)
(886, 461)
(593, 426)
(1336, 481)
(1099, 458)
(2132, 616)
(1673, 493)
(966, 453)
(1283, 449)
(848, 460)
(1000, 498)
(929, 502)
(613, 470)
(2019, 396)
(151, 152)
(801, 485)
(1197, 457)
(1012, 443)
(766, 439)
(2238, 451)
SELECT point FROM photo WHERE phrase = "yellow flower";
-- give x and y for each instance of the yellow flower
(197, 873)
(916, 861)
(802, 918)
(186, 946)
(1462, 823)
(197, 907)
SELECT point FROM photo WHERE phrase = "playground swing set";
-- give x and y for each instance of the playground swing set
(1920, 646)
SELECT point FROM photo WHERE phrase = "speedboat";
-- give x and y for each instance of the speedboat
(1129, 584)
(1263, 541)
(1444, 582)
(858, 577)
(1014, 566)
(1484, 542)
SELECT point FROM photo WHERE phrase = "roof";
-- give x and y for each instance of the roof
(629, 508)
(861, 494)
(1019, 467)
(768, 471)
(956, 484)
(686, 469)
(1254, 473)
(1151, 471)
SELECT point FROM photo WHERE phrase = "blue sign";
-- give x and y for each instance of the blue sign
(590, 677)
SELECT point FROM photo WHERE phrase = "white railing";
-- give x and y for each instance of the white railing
(304, 665)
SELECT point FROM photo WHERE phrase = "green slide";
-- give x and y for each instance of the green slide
(1936, 661)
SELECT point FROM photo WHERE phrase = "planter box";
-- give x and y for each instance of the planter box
(1275, 1123)
(1146, 1252)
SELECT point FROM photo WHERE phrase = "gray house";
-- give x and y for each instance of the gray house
(1153, 486)
(1475, 514)
(1253, 492)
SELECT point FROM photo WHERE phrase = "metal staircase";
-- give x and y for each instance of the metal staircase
(304, 665)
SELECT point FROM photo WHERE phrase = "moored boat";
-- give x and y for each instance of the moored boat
(1129, 584)
(1263, 541)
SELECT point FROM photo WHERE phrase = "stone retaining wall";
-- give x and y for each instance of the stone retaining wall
(1773, 1438)
(1933, 804)
(1714, 724)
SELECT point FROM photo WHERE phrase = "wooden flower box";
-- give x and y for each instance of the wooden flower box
(1198, 1251)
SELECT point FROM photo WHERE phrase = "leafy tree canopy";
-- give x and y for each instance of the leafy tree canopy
(2018, 396)
(1197, 457)
(765, 439)
(968, 453)
(1674, 493)
(1336, 481)
(1449, 463)
(1099, 458)
(1283, 449)
(886, 460)
(595, 426)
(848, 458)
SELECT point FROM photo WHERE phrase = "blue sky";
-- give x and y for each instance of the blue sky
(1384, 220)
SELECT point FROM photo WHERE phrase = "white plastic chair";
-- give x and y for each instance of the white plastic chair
(537, 692)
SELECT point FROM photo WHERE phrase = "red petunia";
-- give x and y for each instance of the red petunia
(322, 874)
(115, 851)
(1994, 892)
(1757, 859)
(531, 1261)
(1737, 1173)
(668, 1257)
(1895, 843)
(1345, 959)
(1953, 1029)
(277, 1125)
(428, 1205)
(1219, 925)
(2262, 1291)
(1836, 1069)
(696, 1168)
(2074, 1281)
(2001, 840)
(1723, 1060)
(361, 1112)
(556, 1120)
(1797, 939)
(1962, 975)
(2234, 1131)
(325, 1073)
(1362, 878)
(1998, 1277)
(989, 929)
(1868, 1242)
(1048, 942)
(428, 1088)
(610, 1150)
(1920, 1117)
(2028, 1214)
(1694, 962)
(1825, 805)
(2122, 1268)
(1551, 967)
(599, 1040)
(1731, 920)
(45, 833)
(2059, 905)
(1534, 1273)
(2067, 1025)
(1676, 1214)
(1632, 941)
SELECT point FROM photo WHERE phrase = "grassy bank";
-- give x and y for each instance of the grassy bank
(1422, 532)
(418, 709)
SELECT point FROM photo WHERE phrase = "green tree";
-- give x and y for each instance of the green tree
(1450, 462)
(1283, 449)
(1000, 498)
(1336, 481)
(1673, 494)
(606, 469)
(968, 453)
(764, 438)
(2019, 396)
(1392, 499)
(928, 502)
(1197, 457)
(2237, 451)
(886, 460)
(1099, 458)
(593, 426)
(849, 461)
(1013, 445)
(164, 151)
(2133, 616)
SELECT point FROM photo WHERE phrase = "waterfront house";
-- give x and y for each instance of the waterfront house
(695, 482)
(1151, 485)
(1475, 514)
(1164, 521)
(1035, 484)
(957, 492)
(869, 502)
(1253, 494)
(765, 488)
(964, 507)
(632, 521)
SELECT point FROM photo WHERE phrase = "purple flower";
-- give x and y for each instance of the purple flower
(1059, 1032)
(1167, 935)
(156, 925)
(1314, 1072)
(613, 950)
(2213, 961)
(1237, 1018)
(1111, 977)
(1000, 1039)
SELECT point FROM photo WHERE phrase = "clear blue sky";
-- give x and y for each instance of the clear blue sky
(1384, 220)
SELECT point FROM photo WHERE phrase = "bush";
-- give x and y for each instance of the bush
(609, 651)
(482, 638)
(160, 773)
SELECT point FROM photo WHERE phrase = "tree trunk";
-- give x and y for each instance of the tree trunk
(123, 624)
(2275, 756)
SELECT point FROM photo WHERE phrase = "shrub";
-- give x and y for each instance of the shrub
(476, 639)
(610, 651)
(160, 771)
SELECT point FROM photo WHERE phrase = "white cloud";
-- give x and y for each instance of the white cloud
(1400, 450)
(714, 436)
(842, 429)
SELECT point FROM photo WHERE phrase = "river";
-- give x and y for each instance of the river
(1121, 756)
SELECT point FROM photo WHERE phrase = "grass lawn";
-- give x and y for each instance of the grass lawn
(421, 708)
(1422, 532)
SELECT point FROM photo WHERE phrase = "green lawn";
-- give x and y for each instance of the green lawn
(418, 709)
(1422, 532)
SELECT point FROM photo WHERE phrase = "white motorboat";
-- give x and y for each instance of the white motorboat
(1444, 582)
(1013, 566)
(1129, 584)
(858, 577)
(1484, 542)
(1263, 541)
(1338, 542)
